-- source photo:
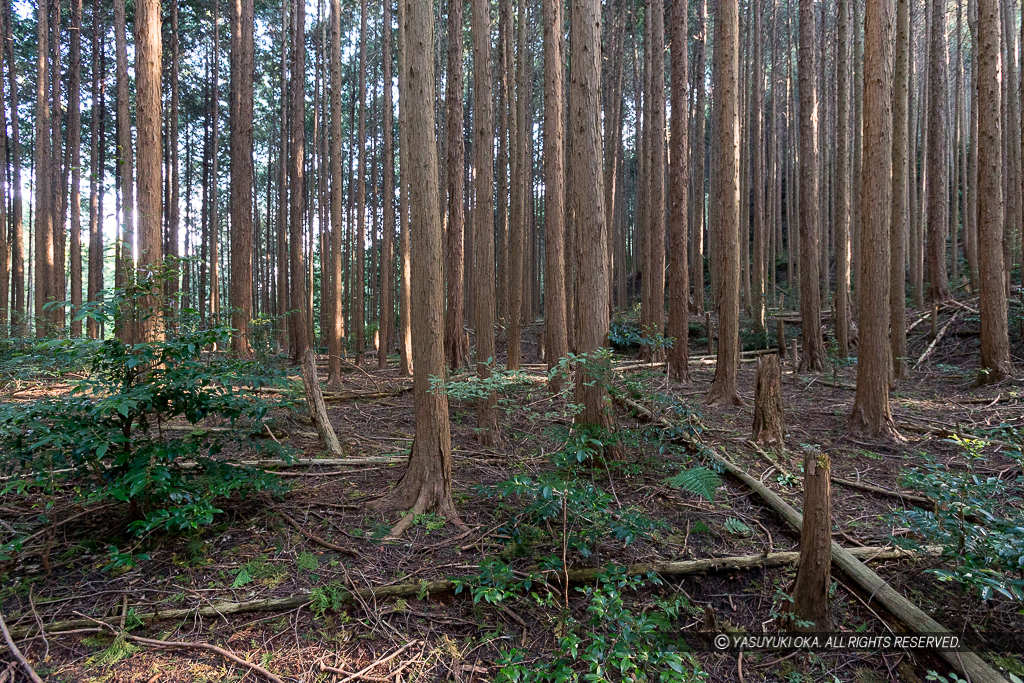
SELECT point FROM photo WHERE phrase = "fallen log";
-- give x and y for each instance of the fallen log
(315, 404)
(425, 588)
(940, 335)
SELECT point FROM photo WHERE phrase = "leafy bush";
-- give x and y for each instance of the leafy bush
(613, 643)
(979, 522)
(624, 334)
(108, 435)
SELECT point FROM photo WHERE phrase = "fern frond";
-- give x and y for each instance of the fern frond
(697, 480)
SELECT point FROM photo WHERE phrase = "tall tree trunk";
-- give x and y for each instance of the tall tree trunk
(726, 169)
(813, 357)
(214, 214)
(75, 152)
(995, 344)
(46, 198)
(900, 183)
(148, 62)
(757, 143)
(938, 165)
(679, 181)
(387, 256)
(297, 149)
(699, 153)
(359, 304)
(518, 227)
(556, 339)
(656, 233)
(172, 209)
(336, 329)
(19, 317)
(586, 161)
(242, 48)
(842, 218)
(427, 483)
(455, 343)
(405, 300)
(483, 146)
(871, 413)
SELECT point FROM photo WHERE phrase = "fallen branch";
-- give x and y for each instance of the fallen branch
(313, 537)
(230, 656)
(315, 404)
(931, 347)
(425, 588)
(920, 501)
(17, 653)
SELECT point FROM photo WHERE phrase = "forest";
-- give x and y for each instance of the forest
(525, 341)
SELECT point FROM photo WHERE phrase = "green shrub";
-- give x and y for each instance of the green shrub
(108, 435)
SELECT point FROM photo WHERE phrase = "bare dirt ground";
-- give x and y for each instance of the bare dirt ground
(335, 541)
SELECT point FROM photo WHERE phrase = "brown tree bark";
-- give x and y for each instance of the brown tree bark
(556, 340)
(358, 301)
(46, 197)
(75, 153)
(813, 357)
(172, 209)
(900, 184)
(656, 215)
(769, 419)
(19, 317)
(214, 186)
(938, 165)
(148, 118)
(427, 483)
(297, 110)
(586, 159)
(387, 256)
(758, 171)
(5, 242)
(842, 191)
(405, 300)
(814, 570)
(517, 226)
(995, 345)
(697, 196)
(726, 162)
(483, 146)
(678, 209)
(456, 345)
(871, 413)
(242, 47)
(336, 326)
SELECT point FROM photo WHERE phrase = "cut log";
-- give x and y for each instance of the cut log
(769, 422)
(814, 572)
(316, 406)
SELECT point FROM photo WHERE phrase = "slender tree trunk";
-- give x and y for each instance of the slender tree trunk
(900, 183)
(679, 181)
(727, 209)
(75, 152)
(387, 256)
(172, 209)
(5, 242)
(455, 343)
(971, 225)
(148, 61)
(842, 218)
(336, 329)
(297, 110)
(813, 357)
(518, 228)
(19, 318)
(699, 152)
(46, 198)
(359, 304)
(242, 47)
(938, 166)
(556, 341)
(486, 414)
(427, 483)
(871, 413)
(757, 143)
(657, 172)
(995, 344)
(214, 215)
(405, 302)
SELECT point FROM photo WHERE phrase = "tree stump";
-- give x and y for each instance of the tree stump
(316, 406)
(795, 359)
(814, 571)
(769, 422)
(711, 332)
(780, 336)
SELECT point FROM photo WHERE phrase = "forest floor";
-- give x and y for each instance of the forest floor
(263, 548)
